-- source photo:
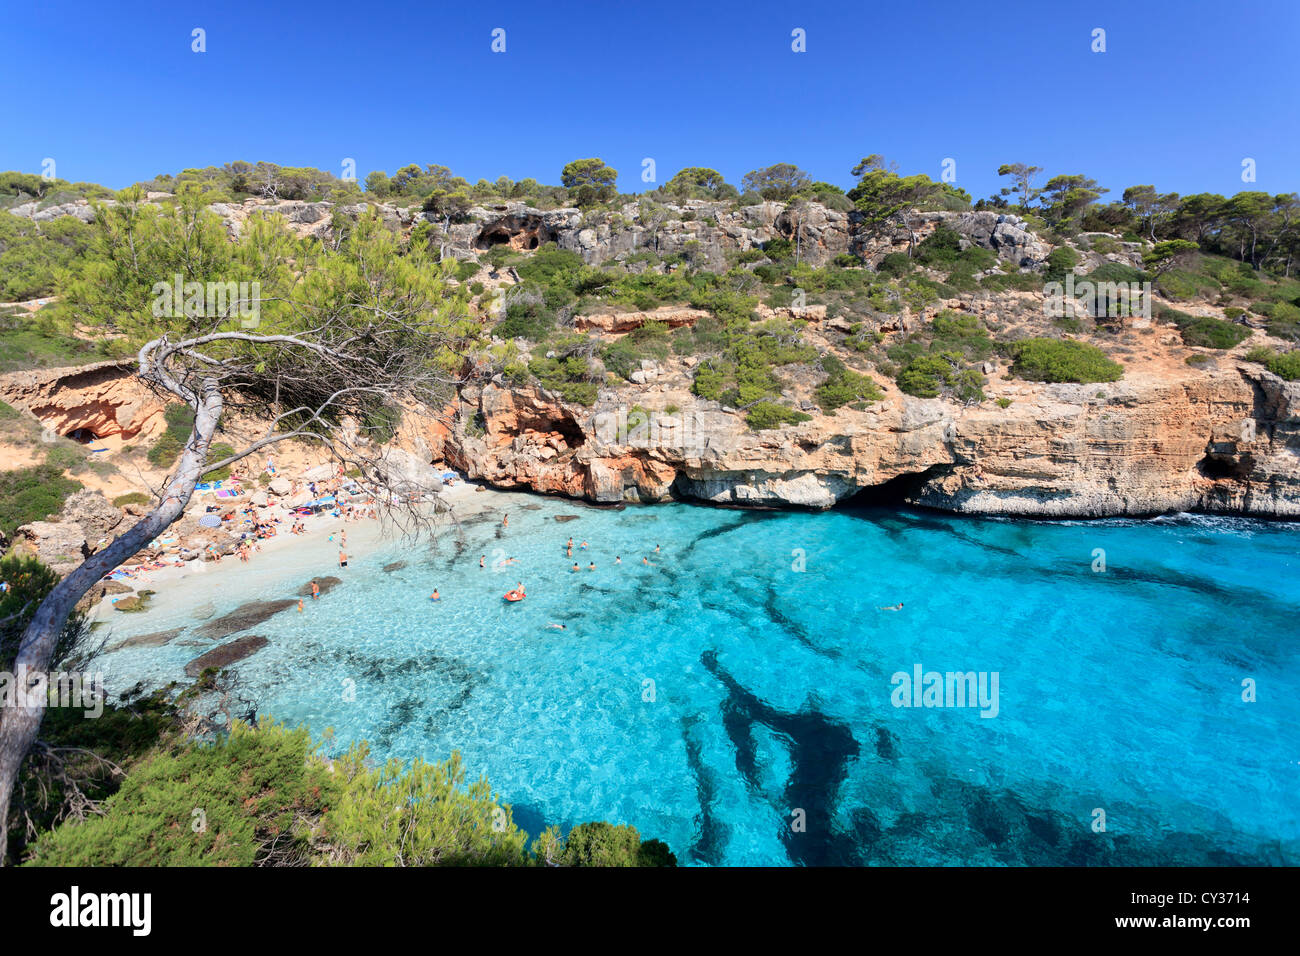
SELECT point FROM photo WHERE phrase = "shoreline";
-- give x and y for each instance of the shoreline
(200, 581)
(467, 499)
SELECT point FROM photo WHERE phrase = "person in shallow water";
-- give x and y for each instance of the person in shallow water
(435, 596)
(617, 559)
(315, 590)
(575, 566)
(481, 559)
(557, 627)
(892, 607)
(592, 566)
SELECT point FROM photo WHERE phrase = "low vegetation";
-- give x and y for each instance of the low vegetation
(1062, 360)
(32, 494)
(266, 797)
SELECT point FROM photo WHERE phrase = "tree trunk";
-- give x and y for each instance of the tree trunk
(19, 726)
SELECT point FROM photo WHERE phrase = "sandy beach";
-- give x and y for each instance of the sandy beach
(295, 557)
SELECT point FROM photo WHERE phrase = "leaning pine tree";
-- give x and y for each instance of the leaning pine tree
(330, 340)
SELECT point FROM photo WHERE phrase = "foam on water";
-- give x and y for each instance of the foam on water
(719, 694)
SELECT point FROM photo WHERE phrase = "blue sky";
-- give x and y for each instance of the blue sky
(1185, 90)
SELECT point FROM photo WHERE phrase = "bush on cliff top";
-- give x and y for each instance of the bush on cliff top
(843, 385)
(764, 415)
(1062, 360)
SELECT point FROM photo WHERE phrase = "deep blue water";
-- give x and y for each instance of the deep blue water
(1118, 690)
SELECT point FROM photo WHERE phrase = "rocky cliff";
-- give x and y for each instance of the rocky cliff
(1226, 440)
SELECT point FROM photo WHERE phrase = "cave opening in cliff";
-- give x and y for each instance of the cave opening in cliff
(83, 435)
(1220, 468)
(898, 491)
(569, 429)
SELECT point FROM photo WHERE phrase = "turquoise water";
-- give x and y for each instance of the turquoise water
(1119, 690)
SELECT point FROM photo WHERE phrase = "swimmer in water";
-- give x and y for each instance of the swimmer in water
(558, 627)
(435, 596)
(592, 566)
(584, 546)
(481, 559)
(656, 549)
(575, 565)
(300, 606)
(892, 607)
(617, 559)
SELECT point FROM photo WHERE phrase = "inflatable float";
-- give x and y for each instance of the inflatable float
(514, 595)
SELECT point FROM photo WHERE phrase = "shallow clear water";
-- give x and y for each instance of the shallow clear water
(1118, 690)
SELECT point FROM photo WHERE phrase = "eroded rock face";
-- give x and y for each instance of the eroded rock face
(104, 400)
(60, 544)
(1227, 441)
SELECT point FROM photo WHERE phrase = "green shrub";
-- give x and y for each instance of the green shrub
(165, 450)
(263, 797)
(569, 375)
(216, 452)
(1013, 281)
(1060, 261)
(1116, 272)
(1213, 333)
(1286, 365)
(925, 375)
(1204, 331)
(603, 844)
(843, 386)
(132, 498)
(1004, 402)
(1284, 321)
(778, 248)
(943, 245)
(895, 264)
(65, 458)
(530, 319)
(32, 494)
(8, 412)
(170, 444)
(1062, 360)
(765, 415)
(250, 790)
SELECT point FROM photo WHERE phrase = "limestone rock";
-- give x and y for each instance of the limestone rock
(227, 654)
